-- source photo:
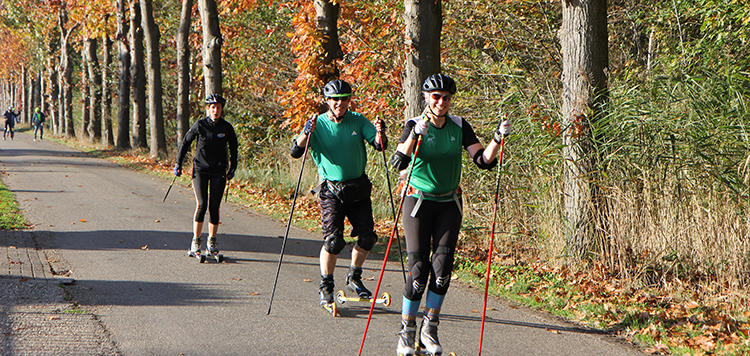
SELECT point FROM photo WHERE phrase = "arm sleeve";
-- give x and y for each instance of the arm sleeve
(407, 131)
(469, 137)
(185, 145)
(233, 145)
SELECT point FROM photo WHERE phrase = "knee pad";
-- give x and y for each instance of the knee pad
(367, 241)
(334, 243)
(442, 263)
(419, 273)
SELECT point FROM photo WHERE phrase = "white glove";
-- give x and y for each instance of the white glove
(503, 129)
(420, 128)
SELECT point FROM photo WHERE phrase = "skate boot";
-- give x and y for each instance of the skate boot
(354, 283)
(428, 337)
(406, 340)
(195, 247)
(326, 290)
(211, 246)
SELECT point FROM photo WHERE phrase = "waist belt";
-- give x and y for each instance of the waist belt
(452, 195)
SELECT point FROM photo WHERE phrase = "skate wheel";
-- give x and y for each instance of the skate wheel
(334, 310)
(202, 259)
(386, 299)
(221, 258)
(452, 354)
(341, 297)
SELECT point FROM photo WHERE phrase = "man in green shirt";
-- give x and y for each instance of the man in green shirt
(337, 145)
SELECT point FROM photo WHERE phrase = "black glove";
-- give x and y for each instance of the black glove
(380, 126)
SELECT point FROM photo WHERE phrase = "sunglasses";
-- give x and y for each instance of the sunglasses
(339, 98)
(436, 97)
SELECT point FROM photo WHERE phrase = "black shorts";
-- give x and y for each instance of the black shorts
(333, 212)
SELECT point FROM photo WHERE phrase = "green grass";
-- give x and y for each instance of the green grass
(10, 217)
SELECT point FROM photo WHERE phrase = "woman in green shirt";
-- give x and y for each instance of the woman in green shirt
(432, 206)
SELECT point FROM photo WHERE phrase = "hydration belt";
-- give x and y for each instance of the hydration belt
(452, 195)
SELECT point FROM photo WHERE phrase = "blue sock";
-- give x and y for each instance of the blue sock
(434, 301)
(409, 307)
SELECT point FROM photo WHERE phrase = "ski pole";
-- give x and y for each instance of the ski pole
(393, 207)
(492, 241)
(288, 224)
(390, 241)
(170, 188)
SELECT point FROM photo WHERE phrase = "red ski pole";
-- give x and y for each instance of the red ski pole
(390, 241)
(492, 241)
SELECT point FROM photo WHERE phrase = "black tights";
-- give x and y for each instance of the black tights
(434, 231)
(201, 183)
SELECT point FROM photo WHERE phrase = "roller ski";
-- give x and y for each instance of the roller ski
(213, 250)
(326, 296)
(195, 250)
(342, 298)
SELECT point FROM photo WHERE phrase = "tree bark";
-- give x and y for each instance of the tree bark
(138, 76)
(158, 145)
(424, 23)
(212, 41)
(94, 127)
(583, 39)
(25, 103)
(123, 93)
(107, 134)
(66, 77)
(327, 16)
(85, 90)
(53, 94)
(183, 71)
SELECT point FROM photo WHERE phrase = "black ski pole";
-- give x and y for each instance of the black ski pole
(390, 242)
(492, 242)
(393, 208)
(288, 224)
(170, 188)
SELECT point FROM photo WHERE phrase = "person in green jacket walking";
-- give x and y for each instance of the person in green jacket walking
(38, 119)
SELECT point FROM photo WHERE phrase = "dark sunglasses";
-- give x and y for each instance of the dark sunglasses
(339, 98)
(436, 97)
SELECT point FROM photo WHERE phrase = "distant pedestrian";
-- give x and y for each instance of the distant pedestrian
(38, 119)
(211, 169)
(10, 123)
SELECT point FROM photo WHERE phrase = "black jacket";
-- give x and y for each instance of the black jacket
(211, 150)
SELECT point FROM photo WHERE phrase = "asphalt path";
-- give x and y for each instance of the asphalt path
(127, 251)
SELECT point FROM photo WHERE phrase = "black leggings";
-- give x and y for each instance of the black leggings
(201, 183)
(434, 231)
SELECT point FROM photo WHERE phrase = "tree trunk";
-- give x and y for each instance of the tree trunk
(123, 93)
(424, 22)
(211, 47)
(25, 104)
(66, 77)
(583, 38)
(138, 76)
(183, 71)
(107, 134)
(158, 146)
(53, 95)
(85, 90)
(95, 91)
(327, 16)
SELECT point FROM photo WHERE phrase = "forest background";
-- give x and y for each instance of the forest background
(668, 268)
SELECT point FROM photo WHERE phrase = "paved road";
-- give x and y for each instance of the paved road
(126, 250)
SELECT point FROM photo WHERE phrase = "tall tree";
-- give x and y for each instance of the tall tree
(211, 47)
(66, 75)
(583, 40)
(107, 134)
(85, 89)
(94, 127)
(183, 70)
(424, 22)
(138, 76)
(123, 92)
(158, 144)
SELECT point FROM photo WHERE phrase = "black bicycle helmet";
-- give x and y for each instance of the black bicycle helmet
(337, 89)
(215, 99)
(439, 82)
